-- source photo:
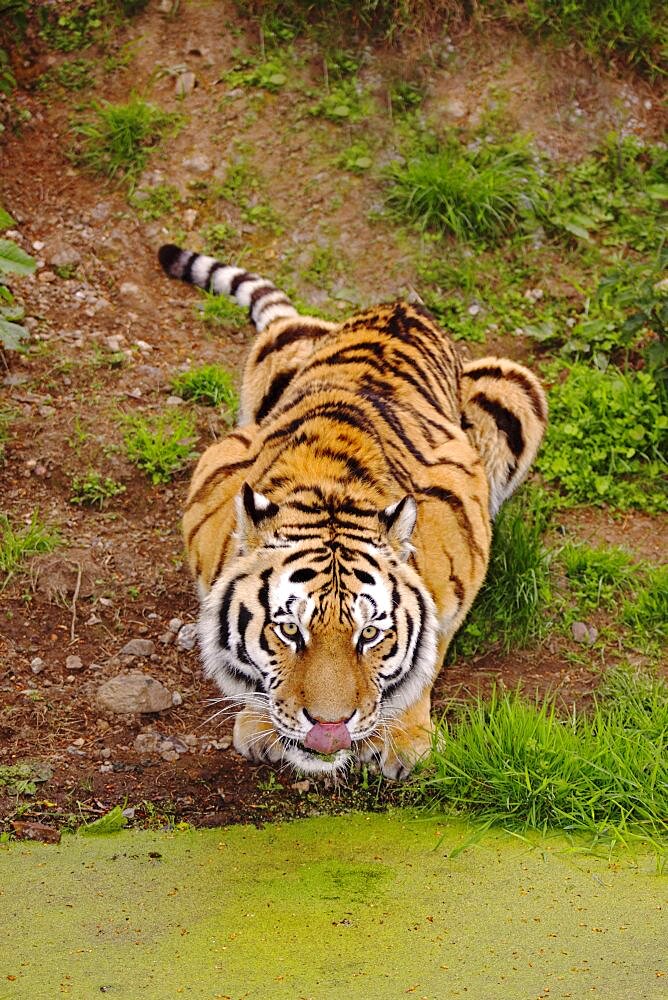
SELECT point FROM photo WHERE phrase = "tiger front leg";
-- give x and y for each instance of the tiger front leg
(255, 737)
(403, 740)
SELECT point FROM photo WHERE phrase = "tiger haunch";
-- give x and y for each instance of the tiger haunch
(339, 535)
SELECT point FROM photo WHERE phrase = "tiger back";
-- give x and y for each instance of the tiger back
(340, 533)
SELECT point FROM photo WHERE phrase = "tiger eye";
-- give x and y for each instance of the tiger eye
(370, 632)
(289, 628)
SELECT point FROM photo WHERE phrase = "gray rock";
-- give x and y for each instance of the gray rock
(167, 638)
(63, 255)
(73, 663)
(199, 164)
(582, 632)
(129, 290)
(175, 624)
(187, 637)
(138, 647)
(133, 692)
(185, 84)
(147, 742)
(177, 699)
(37, 665)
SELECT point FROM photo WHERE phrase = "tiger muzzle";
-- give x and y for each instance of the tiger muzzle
(328, 737)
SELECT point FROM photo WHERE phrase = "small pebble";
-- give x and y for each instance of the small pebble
(138, 647)
(78, 742)
(175, 624)
(37, 665)
(105, 753)
(170, 756)
(167, 638)
(73, 663)
(177, 699)
(187, 637)
(106, 768)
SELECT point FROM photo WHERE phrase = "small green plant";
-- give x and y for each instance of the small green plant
(478, 192)
(617, 194)
(18, 544)
(212, 385)
(646, 612)
(405, 96)
(221, 311)
(345, 102)
(597, 576)
(217, 236)
(155, 202)
(111, 822)
(119, 139)
(270, 75)
(160, 445)
(606, 437)
(94, 490)
(7, 415)
(510, 610)
(76, 74)
(13, 260)
(522, 764)
(356, 158)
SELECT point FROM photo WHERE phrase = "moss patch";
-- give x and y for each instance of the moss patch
(360, 906)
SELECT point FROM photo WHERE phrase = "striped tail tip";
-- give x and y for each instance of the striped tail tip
(265, 302)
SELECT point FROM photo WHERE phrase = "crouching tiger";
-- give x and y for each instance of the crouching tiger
(339, 535)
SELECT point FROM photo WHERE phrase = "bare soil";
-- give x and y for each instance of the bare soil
(119, 573)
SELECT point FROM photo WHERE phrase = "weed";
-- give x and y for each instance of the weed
(478, 192)
(521, 764)
(618, 193)
(76, 74)
(7, 416)
(83, 22)
(323, 266)
(646, 612)
(221, 311)
(270, 75)
(156, 202)
(212, 385)
(405, 97)
(13, 260)
(263, 215)
(634, 29)
(217, 237)
(111, 822)
(160, 445)
(119, 139)
(597, 576)
(345, 102)
(606, 437)
(509, 610)
(17, 545)
(94, 490)
(356, 158)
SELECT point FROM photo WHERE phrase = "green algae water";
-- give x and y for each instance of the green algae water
(368, 906)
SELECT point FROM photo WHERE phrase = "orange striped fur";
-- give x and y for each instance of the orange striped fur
(340, 534)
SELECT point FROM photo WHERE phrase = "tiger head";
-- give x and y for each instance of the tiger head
(321, 625)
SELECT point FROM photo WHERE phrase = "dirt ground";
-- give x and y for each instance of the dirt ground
(118, 574)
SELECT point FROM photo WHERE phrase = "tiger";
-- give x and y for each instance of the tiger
(339, 534)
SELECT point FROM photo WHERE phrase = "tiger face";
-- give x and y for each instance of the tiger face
(324, 637)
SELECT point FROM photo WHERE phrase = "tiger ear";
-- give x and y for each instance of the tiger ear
(252, 509)
(398, 520)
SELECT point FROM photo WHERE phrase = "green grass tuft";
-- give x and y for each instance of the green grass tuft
(606, 436)
(218, 310)
(119, 139)
(479, 192)
(160, 445)
(212, 385)
(94, 490)
(508, 611)
(597, 576)
(646, 612)
(16, 545)
(604, 773)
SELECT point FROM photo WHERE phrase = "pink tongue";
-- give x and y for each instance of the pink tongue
(328, 737)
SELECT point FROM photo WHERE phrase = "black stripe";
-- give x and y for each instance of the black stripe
(302, 575)
(283, 300)
(363, 576)
(239, 279)
(242, 624)
(277, 387)
(187, 273)
(504, 420)
(287, 337)
(224, 613)
(213, 478)
(216, 266)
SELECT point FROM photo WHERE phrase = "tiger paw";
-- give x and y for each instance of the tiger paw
(255, 738)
